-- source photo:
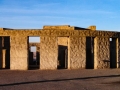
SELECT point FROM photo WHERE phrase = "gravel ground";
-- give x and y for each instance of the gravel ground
(105, 79)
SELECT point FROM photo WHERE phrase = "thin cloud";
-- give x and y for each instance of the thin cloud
(48, 11)
(38, 22)
(35, 13)
(97, 12)
(42, 7)
(41, 18)
(47, 8)
(46, 5)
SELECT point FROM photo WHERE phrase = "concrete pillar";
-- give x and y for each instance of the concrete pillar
(68, 53)
(77, 52)
(0, 52)
(48, 53)
(118, 53)
(18, 53)
(101, 53)
(3, 58)
(95, 53)
(117, 50)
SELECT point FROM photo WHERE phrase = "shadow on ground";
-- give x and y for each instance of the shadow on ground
(59, 80)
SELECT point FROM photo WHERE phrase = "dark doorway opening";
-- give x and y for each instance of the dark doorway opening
(89, 52)
(34, 59)
(34, 53)
(7, 55)
(5, 52)
(62, 57)
(113, 52)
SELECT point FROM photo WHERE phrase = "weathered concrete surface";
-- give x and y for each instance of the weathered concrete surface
(3, 58)
(48, 52)
(18, 53)
(107, 79)
(92, 27)
(1, 63)
(77, 52)
(102, 53)
(118, 63)
(62, 41)
(54, 32)
(49, 46)
(68, 27)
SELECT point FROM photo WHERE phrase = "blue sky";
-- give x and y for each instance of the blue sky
(105, 14)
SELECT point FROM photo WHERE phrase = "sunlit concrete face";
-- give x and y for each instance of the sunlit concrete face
(59, 47)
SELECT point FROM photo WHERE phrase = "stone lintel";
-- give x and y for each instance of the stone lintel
(68, 27)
